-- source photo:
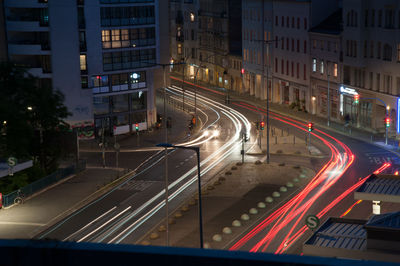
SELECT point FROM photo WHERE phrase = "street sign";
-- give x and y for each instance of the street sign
(12, 161)
(312, 221)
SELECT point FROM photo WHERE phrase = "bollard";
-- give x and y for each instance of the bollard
(306, 140)
(276, 140)
(282, 133)
(294, 139)
(288, 131)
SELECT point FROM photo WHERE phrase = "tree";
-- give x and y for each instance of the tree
(30, 116)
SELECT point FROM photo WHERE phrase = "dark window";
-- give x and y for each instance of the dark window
(298, 23)
(305, 24)
(84, 82)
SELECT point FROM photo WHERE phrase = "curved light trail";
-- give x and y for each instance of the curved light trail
(119, 222)
(291, 214)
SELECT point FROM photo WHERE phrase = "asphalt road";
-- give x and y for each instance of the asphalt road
(127, 212)
(367, 158)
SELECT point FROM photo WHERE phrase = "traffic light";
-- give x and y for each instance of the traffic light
(137, 127)
(387, 121)
(242, 71)
(262, 125)
(356, 98)
(310, 127)
(194, 120)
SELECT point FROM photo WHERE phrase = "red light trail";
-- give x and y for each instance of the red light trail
(291, 213)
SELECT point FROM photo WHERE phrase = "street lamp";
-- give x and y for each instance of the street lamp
(197, 150)
(268, 42)
(166, 140)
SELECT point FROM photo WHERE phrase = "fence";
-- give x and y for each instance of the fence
(43, 183)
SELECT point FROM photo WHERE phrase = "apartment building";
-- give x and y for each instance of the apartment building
(326, 57)
(371, 44)
(285, 25)
(101, 54)
(183, 34)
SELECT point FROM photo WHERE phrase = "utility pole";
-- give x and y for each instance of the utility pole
(329, 101)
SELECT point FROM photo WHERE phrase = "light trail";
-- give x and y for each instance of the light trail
(238, 120)
(331, 205)
(349, 209)
(327, 176)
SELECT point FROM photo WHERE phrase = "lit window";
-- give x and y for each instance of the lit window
(322, 67)
(314, 65)
(179, 48)
(335, 70)
(83, 62)
(191, 17)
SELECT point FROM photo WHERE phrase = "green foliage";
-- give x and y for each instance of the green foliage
(33, 113)
(21, 179)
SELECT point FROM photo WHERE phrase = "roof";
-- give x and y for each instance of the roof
(340, 233)
(387, 220)
(331, 25)
(384, 188)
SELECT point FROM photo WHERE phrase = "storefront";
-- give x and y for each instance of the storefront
(360, 113)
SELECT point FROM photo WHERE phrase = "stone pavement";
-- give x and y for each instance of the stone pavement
(233, 201)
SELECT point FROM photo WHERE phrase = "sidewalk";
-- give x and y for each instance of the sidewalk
(61, 199)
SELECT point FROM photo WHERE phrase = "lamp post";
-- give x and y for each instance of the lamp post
(329, 102)
(197, 150)
(268, 42)
(166, 140)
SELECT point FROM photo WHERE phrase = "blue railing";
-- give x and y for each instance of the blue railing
(43, 183)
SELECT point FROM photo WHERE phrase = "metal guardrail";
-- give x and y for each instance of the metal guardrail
(42, 183)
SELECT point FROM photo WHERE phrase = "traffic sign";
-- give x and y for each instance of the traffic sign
(12, 161)
(312, 221)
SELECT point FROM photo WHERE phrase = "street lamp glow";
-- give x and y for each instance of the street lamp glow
(4, 122)
(206, 133)
(313, 98)
(29, 108)
(388, 107)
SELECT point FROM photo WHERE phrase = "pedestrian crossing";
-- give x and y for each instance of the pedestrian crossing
(136, 185)
(383, 157)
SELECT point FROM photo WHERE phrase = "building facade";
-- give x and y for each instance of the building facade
(371, 43)
(284, 61)
(326, 63)
(101, 54)
(205, 37)
(184, 34)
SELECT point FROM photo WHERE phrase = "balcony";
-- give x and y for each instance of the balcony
(26, 26)
(38, 72)
(28, 49)
(27, 3)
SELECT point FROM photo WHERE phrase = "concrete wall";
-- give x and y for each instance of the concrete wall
(64, 41)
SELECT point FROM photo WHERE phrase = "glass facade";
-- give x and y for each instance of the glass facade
(127, 16)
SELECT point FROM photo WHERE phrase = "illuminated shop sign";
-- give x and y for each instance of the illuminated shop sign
(345, 90)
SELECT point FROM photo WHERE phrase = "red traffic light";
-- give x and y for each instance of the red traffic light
(137, 127)
(262, 125)
(242, 71)
(356, 98)
(387, 121)
(310, 126)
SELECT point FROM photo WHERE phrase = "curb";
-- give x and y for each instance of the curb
(84, 202)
